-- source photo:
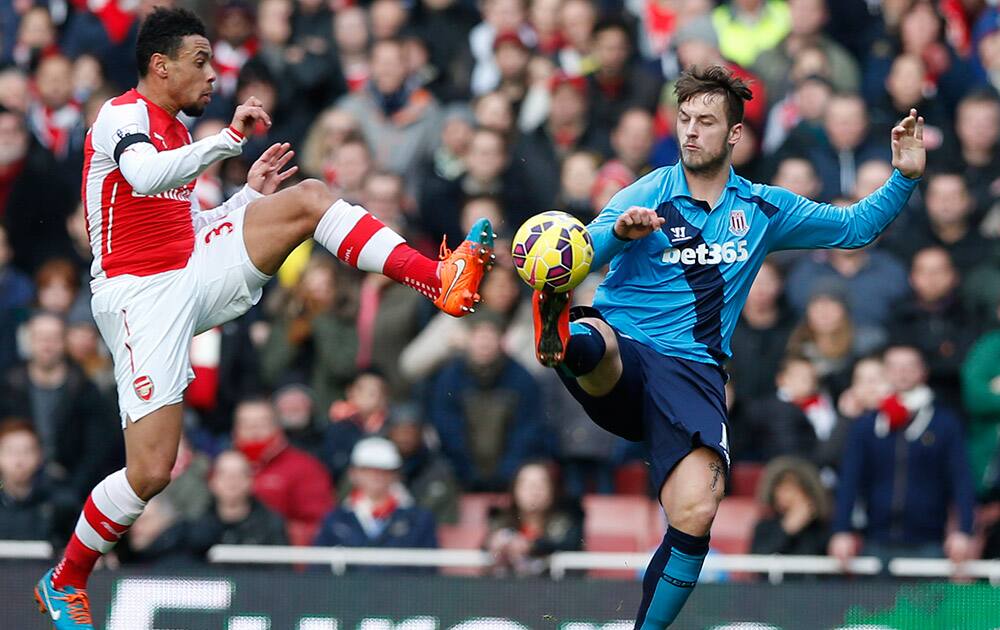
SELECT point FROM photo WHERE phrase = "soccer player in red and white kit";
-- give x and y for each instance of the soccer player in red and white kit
(164, 270)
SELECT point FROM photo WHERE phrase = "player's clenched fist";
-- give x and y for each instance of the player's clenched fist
(636, 223)
(248, 115)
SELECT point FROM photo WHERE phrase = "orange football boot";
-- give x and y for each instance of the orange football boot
(551, 315)
(462, 270)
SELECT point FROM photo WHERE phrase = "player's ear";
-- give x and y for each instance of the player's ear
(158, 65)
(735, 134)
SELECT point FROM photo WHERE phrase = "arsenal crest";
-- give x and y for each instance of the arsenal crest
(738, 223)
(143, 387)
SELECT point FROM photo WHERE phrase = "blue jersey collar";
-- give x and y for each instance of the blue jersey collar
(675, 185)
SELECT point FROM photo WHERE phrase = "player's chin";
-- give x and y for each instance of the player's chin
(194, 110)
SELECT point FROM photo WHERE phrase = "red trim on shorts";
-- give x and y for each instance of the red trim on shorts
(131, 358)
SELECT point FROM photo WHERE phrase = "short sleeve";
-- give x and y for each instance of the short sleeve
(120, 126)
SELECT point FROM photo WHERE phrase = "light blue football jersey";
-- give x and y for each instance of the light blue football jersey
(681, 289)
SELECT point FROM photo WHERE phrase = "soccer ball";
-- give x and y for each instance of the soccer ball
(552, 251)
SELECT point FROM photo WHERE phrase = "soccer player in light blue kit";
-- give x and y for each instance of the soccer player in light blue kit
(684, 244)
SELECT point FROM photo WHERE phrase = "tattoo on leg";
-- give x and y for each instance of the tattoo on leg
(716, 471)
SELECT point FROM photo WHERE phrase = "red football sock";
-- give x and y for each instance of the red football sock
(76, 565)
(408, 266)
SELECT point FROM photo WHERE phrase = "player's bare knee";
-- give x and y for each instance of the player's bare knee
(696, 515)
(313, 197)
(607, 333)
(150, 478)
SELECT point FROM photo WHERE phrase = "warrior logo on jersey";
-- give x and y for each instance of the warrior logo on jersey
(143, 387)
(738, 225)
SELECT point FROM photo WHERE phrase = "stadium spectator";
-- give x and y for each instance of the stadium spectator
(632, 141)
(512, 55)
(226, 368)
(872, 281)
(57, 284)
(36, 196)
(32, 506)
(387, 18)
(566, 130)
(981, 394)
(807, 18)
(975, 151)
(158, 538)
(55, 117)
(351, 36)
(831, 340)
(499, 16)
(313, 338)
(235, 43)
(15, 92)
(761, 335)
(36, 38)
(444, 26)
(361, 413)
(617, 84)
(389, 316)
(905, 89)
(796, 122)
(446, 338)
(292, 483)
(869, 387)
(71, 418)
(798, 523)
(379, 511)
(587, 454)
(747, 28)
(485, 408)
(399, 123)
(847, 145)
(488, 171)
(538, 523)
(234, 517)
(986, 45)
(935, 322)
(349, 167)
(908, 465)
(16, 294)
(85, 348)
(295, 406)
(794, 420)
(948, 223)
(332, 128)
(188, 491)
(425, 472)
(578, 175)
(577, 19)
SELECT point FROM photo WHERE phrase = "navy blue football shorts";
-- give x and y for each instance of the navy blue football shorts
(671, 404)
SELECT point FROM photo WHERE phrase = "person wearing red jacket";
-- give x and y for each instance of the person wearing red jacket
(287, 480)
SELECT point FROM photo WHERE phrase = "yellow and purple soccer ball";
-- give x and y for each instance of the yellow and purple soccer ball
(552, 251)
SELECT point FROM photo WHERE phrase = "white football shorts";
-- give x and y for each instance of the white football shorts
(148, 322)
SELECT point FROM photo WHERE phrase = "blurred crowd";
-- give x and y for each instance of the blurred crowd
(343, 410)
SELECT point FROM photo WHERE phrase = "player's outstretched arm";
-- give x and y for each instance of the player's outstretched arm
(800, 223)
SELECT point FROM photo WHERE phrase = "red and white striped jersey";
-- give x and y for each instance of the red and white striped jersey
(135, 233)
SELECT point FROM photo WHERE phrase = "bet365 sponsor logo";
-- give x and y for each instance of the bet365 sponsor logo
(705, 254)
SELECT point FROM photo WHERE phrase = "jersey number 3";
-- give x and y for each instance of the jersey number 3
(220, 230)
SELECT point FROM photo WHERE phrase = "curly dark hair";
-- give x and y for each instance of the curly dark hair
(163, 32)
(714, 80)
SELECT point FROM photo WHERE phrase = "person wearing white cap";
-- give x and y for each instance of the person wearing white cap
(378, 512)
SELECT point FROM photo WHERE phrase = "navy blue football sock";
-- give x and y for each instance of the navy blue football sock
(670, 577)
(584, 350)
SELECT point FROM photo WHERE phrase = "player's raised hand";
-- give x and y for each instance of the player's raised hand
(266, 174)
(636, 223)
(908, 153)
(248, 115)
